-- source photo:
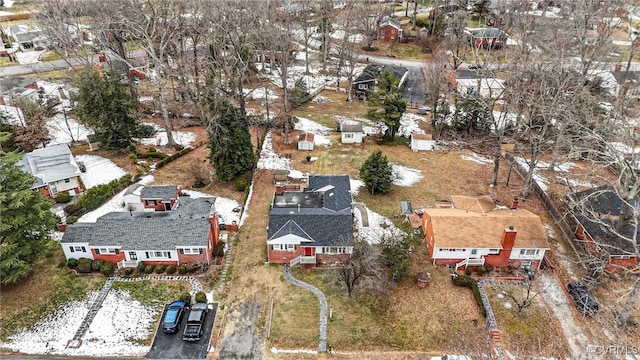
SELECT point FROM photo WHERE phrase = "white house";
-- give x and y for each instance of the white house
(131, 198)
(55, 170)
(351, 133)
(422, 142)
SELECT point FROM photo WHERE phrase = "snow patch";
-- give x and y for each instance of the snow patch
(224, 206)
(115, 204)
(320, 131)
(261, 93)
(380, 227)
(99, 170)
(184, 138)
(405, 176)
(410, 124)
(355, 186)
(477, 158)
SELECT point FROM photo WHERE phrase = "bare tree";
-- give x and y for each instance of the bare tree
(363, 270)
(369, 15)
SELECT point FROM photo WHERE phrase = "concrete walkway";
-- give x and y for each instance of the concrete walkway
(102, 294)
(363, 214)
(322, 346)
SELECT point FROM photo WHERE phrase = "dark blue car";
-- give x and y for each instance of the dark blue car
(173, 316)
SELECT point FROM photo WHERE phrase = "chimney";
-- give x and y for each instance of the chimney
(1, 100)
(279, 190)
(508, 238)
(514, 204)
(617, 68)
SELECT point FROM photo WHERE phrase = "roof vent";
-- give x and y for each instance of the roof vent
(511, 228)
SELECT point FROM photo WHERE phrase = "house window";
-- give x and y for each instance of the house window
(77, 248)
(276, 247)
(336, 250)
(291, 247)
(348, 136)
(494, 251)
(133, 255)
(362, 86)
(158, 254)
(474, 251)
(191, 251)
(151, 202)
(624, 257)
(67, 180)
(529, 252)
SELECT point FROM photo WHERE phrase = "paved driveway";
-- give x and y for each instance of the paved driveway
(171, 346)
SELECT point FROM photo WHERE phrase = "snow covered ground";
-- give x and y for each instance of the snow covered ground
(119, 322)
(115, 204)
(60, 133)
(405, 176)
(99, 170)
(184, 138)
(477, 158)
(410, 124)
(320, 131)
(368, 126)
(380, 227)
(269, 160)
(261, 93)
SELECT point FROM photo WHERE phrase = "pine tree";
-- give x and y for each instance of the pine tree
(376, 173)
(299, 94)
(107, 107)
(386, 104)
(230, 141)
(26, 220)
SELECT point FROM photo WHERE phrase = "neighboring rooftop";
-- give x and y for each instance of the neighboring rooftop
(374, 71)
(162, 192)
(50, 164)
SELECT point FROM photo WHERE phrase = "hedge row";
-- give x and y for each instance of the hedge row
(85, 266)
(471, 283)
(170, 158)
(96, 196)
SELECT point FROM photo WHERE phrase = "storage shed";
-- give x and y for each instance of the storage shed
(351, 133)
(422, 142)
(305, 141)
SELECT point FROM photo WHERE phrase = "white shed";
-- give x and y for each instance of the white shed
(351, 133)
(422, 142)
(305, 141)
(132, 201)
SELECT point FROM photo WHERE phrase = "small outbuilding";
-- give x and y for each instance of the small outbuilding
(351, 133)
(305, 141)
(422, 142)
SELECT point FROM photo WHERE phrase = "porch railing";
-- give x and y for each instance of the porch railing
(127, 264)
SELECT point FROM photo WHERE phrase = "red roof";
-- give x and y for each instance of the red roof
(306, 137)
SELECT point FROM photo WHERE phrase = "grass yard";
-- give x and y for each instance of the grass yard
(532, 332)
(50, 56)
(22, 307)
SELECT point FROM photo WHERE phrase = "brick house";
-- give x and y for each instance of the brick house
(160, 197)
(596, 212)
(188, 234)
(54, 169)
(487, 37)
(313, 226)
(389, 30)
(473, 231)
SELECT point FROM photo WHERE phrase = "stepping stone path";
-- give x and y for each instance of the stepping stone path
(102, 294)
(322, 346)
(228, 255)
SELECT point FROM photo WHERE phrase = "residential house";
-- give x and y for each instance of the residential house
(351, 133)
(11, 115)
(186, 235)
(313, 226)
(389, 30)
(422, 142)
(159, 197)
(473, 231)
(485, 37)
(596, 213)
(27, 38)
(368, 79)
(305, 141)
(55, 170)
(472, 82)
(621, 84)
(131, 198)
(293, 11)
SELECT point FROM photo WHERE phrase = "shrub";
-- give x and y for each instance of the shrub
(84, 265)
(182, 269)
(468, 271)
(201, 297)
(186, 297)
(140, 267)
(72, 219)
(72, 209)
(96, 265)
(308, 158)
(159, 269)
(170, 158)
(241, 184)
(171, 269)
(72, 263)
(153, 154)
(98, 195)
(132, 148)
(148, 269)
(144, 130)
(61, 264)
(471, 283)
(219, 250)
(107, 268)
(133, 157)
(193, 268)
(63, 197)
(152, 149)
(125, 272)
(481, 270)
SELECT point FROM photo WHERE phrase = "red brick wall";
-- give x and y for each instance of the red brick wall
(194, 258)
(214, 231)
(283, 256)
(159, 206)
(160, 262)
(387, 33)
(113, 258)
(427, 229)
(616, 265)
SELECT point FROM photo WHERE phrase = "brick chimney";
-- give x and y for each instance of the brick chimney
(508, 238)
(514, 204)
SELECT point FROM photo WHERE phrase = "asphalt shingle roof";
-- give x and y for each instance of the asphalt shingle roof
(163, 192)
(372, 72)
(186, 225)
(50, 164)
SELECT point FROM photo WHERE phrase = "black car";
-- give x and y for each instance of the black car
(475, 66)
(585, 302)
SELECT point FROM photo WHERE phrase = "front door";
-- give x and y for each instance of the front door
(167, 206)
(474, 254)
(308, 251)
(133, 255)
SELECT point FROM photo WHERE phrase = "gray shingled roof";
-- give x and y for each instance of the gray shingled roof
(163, 192)
(374, 71)
(187, 225)
(328, 224)
(50, 164)
(351, 127)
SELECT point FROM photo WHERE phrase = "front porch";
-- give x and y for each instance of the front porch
(305, 260)
(127, 264)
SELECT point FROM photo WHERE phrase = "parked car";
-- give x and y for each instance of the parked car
(585, 302)
(173, 317)
(195, 322)
(475, 66)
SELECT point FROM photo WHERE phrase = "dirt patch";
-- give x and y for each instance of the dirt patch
(245, 342)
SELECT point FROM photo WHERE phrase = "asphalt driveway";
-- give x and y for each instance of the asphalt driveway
(171, 346)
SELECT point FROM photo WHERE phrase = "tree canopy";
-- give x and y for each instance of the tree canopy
(230, 141)
(386, 104)
(26, 219)
(105, 106)
(376, 173)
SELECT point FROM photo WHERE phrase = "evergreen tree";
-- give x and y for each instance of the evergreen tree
(230, 142)
(386, 104)
(107, 107)
(376, 173)
(26, 219)
(299, 94)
